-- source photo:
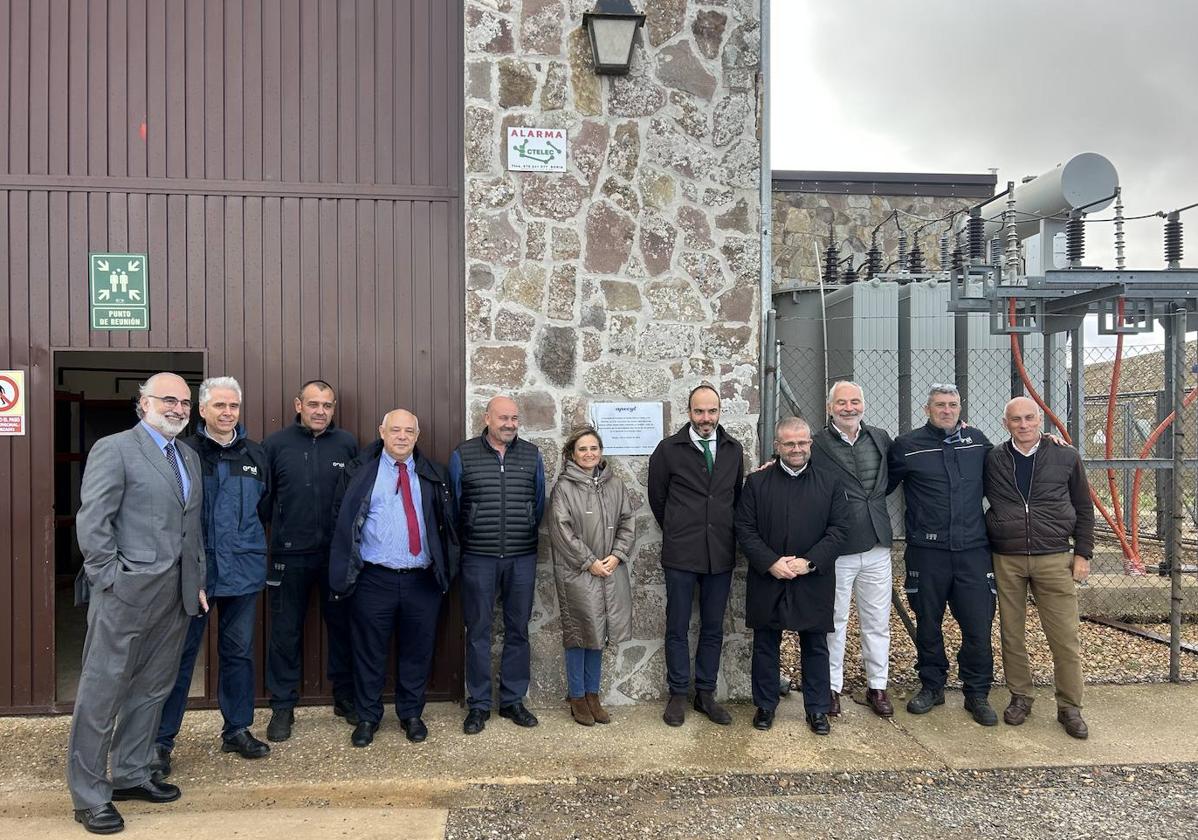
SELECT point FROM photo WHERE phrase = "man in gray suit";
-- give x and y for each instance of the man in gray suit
(140, 533)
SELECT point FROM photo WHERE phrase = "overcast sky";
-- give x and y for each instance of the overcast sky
(1021, 85)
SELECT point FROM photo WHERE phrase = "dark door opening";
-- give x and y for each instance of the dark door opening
(95, 394)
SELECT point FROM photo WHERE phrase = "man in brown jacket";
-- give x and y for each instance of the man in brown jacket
(1041, 528)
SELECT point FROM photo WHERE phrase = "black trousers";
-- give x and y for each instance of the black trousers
(964, 582)
(813, 660)
(399, 605)
(288, 608)
(713, 600)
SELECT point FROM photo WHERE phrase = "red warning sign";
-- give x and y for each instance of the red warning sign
(12, 402)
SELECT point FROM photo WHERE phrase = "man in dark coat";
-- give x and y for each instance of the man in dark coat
(857, 452)
(694, 483)
(790, 523)
(395, 547)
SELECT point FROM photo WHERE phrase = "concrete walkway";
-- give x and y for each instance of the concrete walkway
(317, 785)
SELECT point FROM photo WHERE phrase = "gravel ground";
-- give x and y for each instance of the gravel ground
(1111, 656)
(1109, 802)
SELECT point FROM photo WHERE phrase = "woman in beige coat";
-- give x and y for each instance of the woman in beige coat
(591, 532)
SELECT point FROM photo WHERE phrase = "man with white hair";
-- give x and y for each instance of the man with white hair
(234, 476)
(139, 530)
(1041, 527)
(863, 570)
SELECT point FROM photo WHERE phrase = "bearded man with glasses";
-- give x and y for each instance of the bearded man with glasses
(139, 528)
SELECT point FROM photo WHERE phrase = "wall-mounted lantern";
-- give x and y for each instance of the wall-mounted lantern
(612, 26)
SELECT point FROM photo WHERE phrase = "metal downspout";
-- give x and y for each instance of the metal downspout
(767, 369)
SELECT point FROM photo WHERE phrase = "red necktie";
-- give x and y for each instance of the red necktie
(403, 484)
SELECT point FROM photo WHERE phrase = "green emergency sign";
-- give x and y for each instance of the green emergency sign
(120, 292)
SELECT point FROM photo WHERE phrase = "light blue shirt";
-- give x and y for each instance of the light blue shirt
(157, 437)
(385, 534)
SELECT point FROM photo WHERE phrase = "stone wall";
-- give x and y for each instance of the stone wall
(801, 223)
(632, 276)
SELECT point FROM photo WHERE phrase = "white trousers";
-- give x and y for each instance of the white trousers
(865, 577)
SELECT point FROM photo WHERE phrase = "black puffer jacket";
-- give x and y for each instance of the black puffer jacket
(1059, 511)
(941, 474)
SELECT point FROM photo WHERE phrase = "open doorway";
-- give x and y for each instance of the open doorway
(95, 394)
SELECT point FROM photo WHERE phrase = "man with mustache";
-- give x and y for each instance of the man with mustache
(695, 478)
(140, 531)
(863, 570)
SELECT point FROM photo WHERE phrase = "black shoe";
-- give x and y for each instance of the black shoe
(279, 728)
(763, 719)
(363, 733)
(518, 715)
(148, 791)
(983, 713)
(346, 709)
(414, 728)
(819, 723)
(705, 703)
(476, 721)
(245, 745)
(102, 819)
(161, 765)
(923, 702)
(675, 713)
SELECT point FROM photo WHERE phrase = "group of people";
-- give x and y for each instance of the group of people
(170, 531)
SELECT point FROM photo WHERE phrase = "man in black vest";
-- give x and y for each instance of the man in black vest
(695, 477)
(499, 480)
(857, 452)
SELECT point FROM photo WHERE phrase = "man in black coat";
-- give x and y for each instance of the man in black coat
(695, 477)
(396, 548)
(791, 523)
(306, 462)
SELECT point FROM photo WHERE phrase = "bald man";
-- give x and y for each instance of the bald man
(499, 481)
(1041, 529)
(395, 546)
(140, 532)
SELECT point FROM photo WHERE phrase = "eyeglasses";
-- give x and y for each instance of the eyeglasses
(171, 402)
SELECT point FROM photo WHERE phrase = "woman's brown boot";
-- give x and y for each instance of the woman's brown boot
(581, 711)
(598, 713)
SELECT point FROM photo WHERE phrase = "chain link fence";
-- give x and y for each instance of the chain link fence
(1126, 443)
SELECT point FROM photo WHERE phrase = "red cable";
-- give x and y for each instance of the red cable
(1136, 566)
(1135, 484)
(1110, 424)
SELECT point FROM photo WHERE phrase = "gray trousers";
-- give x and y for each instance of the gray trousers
(130, 661)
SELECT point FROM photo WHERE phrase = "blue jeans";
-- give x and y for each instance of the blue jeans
(583, 670)
(513, 579)
(235, 682)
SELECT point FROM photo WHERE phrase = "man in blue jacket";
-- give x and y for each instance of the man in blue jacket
(306, 462)
(235, 474)
(395, 548)
(940, 466)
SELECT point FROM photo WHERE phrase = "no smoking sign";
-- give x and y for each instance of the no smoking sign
(12, 402)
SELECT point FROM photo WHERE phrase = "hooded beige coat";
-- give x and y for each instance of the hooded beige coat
(590, 517)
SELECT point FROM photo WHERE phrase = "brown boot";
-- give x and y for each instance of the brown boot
(581, 712)
(1018, 709)
(705, 703)
(1071, 718)
(597, 711)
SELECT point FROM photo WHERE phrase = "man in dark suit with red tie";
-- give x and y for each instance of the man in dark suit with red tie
(395, 547)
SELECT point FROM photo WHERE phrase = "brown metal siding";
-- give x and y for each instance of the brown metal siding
(298, 192)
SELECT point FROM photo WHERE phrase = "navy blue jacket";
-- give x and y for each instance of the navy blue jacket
(304, 472)
(437, 507)
(235, 484)
(942, 478)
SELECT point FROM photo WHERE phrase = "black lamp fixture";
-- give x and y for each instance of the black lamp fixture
(612, 26)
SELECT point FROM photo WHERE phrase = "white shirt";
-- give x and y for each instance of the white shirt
(696, 437)
(791, 472)
(846, 438)
(1027, 454)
